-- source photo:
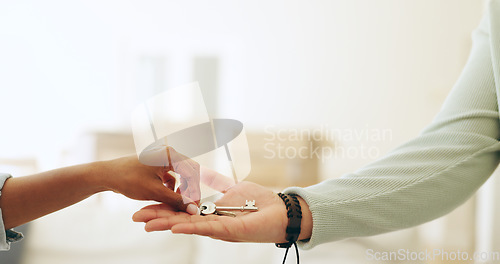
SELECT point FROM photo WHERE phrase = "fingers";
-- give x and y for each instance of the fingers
(176, 201)
(207, 228)
(190, 175)
(158, 211)
(154, 155)
(187, 224)
(162, 217)
(160, 207)
(152, 212)
(218, 227)
(168, 179)
(176, 156)
(166, 223)
(224, 228)
(159, 224)
(216, 180)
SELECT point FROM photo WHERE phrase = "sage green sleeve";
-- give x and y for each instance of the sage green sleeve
(430, 175)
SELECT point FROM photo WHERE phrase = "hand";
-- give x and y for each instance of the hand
(189, 172)
(160, 154)
(27, 198)
(268, 224)
(141, 182)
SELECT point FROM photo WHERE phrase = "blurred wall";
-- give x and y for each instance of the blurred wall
(70, 66)
(356, 66)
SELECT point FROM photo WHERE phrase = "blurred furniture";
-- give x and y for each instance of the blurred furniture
(280, 163)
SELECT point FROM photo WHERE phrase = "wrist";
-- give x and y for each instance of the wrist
(97, 177)
(294, 233)
(307, 222)
(295, 225)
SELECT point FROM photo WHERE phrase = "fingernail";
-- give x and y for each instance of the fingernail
(193, 209)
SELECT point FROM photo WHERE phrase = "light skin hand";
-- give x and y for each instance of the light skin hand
(268, 224)
(27, 198)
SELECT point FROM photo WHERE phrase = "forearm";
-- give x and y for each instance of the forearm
(392, 195)
(426, 177)
(27, 198)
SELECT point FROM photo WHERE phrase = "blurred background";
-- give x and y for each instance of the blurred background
(351, 78)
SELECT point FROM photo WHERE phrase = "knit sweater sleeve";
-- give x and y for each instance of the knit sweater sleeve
(430, 175)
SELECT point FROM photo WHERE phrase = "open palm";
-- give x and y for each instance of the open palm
(268, 224)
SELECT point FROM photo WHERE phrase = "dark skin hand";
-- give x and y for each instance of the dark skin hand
(26, 198)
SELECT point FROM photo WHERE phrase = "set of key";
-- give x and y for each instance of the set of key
(208, 208)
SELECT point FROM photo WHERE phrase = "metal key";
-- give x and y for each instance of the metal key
(225, 213)
(207, 208)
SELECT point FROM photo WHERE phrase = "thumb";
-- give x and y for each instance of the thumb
(173, 199)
